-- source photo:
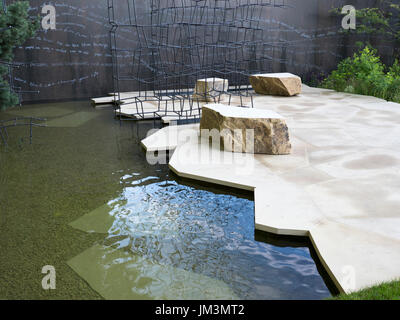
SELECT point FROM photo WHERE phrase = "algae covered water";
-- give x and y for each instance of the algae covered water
(83, 198)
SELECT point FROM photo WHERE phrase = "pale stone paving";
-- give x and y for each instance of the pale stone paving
(340, 185)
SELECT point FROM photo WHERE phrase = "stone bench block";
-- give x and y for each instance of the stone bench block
(246, 129)
(210, 89)
(276, 84)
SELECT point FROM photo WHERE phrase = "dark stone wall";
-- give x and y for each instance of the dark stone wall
(74, 61)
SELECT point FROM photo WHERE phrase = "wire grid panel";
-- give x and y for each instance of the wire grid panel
(160, 48)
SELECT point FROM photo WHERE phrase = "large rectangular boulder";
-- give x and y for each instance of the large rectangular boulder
(276, 84)
(246, 129)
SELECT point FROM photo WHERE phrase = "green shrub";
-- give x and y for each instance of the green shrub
(365, 74)
(15, 28)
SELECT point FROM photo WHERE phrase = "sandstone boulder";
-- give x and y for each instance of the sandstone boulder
(210, 89)
(276, 84)
(245, 129)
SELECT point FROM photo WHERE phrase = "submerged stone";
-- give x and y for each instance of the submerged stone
(246, 129)
(99, 220)
(73, 120)
(121, 275)
(276, 84)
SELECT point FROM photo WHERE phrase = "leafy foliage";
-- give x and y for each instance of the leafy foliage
(383, 19)
(365, 74)
(15, 28)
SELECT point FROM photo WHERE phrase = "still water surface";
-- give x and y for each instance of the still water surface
(84, 199)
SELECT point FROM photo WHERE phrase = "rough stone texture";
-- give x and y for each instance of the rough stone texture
(270, 135)
(210, 89)
(276, 84)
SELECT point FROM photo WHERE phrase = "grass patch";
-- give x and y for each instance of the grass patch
(384, 291)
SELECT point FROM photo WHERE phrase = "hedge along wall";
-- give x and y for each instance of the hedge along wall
(74, 60)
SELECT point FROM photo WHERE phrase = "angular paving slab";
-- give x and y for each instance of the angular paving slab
(121, 275)
(73, 120)
(168, 138)
(340, 186)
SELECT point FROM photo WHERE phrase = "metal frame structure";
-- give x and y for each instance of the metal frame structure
(20, 122)
(12, 88)
(160, 48)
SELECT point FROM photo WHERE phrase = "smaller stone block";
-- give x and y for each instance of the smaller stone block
(276, 84)
(210, 89)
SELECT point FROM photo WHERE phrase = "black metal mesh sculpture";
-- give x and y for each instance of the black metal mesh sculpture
(160, 48)
(20, 122)
(11, 85)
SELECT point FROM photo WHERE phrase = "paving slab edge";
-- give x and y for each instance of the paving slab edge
(266, 228)
(261, 227)
(321, 232)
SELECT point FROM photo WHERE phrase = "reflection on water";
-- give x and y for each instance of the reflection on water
(164, 223)
(158, 238)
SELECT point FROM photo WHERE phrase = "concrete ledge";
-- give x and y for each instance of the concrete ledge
(340, 186)
(168, 138)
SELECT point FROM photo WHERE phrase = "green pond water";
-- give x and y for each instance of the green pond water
(83, 199)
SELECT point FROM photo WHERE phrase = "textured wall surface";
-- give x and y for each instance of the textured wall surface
(74, 61)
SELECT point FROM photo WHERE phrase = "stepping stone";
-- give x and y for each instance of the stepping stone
(276, 84)
(123, 275)
(210, 89)
(102, 100)
(73, 120)
(247, 130)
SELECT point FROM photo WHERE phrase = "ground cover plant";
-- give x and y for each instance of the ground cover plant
(365, 74)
